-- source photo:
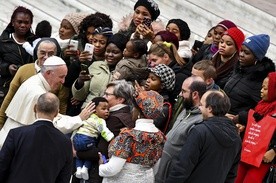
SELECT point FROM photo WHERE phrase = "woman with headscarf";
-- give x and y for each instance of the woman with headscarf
(135, 151)
(143, 10)
(119, 95)
(162, 80)
(244, 85)
(265, 112)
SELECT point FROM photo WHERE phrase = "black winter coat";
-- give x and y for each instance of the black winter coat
(244, 86)
(204, 53)
(10, 53)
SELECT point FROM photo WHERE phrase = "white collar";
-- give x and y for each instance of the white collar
(44, 82)
(37, 68)
(17, 42)
(43, 119)
(116, 107)
(145, 125)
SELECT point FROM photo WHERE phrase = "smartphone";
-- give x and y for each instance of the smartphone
(104, 159)
(74, 44)
(84, 67)
(147, 21)
(89, 47)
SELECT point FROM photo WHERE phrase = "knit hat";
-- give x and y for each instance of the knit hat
(151, 6)
(226, 24)
(54, 61)
(166, 75)
(120, 40)
(106, 31)
(237, 35)
(271, 87)
(75, 19)
(258, 44)
(169, 37)
(150, 103)
(185, 31)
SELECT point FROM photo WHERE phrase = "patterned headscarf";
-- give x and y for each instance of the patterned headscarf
(268, 107)
(150, 103)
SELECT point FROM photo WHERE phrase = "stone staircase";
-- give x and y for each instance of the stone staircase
(201, 15)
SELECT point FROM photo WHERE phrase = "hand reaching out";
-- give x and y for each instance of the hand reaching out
(87, 111)
(138, 88)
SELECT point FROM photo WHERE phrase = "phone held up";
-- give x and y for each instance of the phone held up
(74, 44)
(89, 47)
(84, 67)
(147, 21)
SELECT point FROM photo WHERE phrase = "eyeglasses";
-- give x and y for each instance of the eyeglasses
(183, 91)
(108, 94)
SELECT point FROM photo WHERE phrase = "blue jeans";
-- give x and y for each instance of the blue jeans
(83, 143)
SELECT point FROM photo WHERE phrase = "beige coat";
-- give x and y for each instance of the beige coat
(101, 76)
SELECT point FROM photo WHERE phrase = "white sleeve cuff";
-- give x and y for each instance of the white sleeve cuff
(67, 124)
(113, 167)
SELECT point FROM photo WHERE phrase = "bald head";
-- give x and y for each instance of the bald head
(192, 90)
(214, 103)
(47, 106)
(196, 83)
(192, 79)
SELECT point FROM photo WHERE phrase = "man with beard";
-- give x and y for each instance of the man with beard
(192, 90)
(211, 146)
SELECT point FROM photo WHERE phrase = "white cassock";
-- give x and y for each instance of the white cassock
(20, 111)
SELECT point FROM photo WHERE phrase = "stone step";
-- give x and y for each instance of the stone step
(249, 18)
(201, 15)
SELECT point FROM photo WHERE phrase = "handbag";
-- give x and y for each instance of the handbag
(270, 175)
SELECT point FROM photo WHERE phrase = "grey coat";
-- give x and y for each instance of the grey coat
(175, 139)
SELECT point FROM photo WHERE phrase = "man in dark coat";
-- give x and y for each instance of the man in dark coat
(37, 152)
(212, 150)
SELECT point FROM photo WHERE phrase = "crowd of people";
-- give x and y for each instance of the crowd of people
(88, 104)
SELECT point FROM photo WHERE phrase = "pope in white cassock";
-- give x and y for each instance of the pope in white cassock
(20, 111)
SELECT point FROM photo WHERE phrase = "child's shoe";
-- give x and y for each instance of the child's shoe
(78, 173)
(84, 173)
